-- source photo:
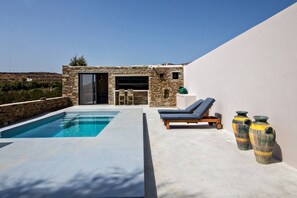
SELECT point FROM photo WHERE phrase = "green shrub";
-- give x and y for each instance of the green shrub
(26, 91)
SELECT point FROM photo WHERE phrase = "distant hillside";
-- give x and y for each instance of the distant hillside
(30, 76)
(25, 86)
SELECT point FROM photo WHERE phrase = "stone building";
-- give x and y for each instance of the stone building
(155, 85)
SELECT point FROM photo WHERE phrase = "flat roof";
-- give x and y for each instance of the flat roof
(129, 66)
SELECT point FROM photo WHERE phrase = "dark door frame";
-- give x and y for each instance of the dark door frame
(94, 88)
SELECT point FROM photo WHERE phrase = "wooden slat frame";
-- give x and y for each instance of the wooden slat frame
(209, 119)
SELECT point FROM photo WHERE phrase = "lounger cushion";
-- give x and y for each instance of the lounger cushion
(189, 109)
(185, 116)
(194, 106)
(168, 111)
(196, 115)
(203, 108)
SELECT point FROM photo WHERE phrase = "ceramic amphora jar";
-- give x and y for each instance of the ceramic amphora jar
(241, 124)
(262, 137)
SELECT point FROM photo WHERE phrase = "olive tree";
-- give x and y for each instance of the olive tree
(78, 61)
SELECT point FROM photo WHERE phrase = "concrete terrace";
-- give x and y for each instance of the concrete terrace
(108, 165)
(196, 161)
(199, 161)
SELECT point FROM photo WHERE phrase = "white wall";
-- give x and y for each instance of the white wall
(256, 72)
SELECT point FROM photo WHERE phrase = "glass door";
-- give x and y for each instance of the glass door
(87, 89)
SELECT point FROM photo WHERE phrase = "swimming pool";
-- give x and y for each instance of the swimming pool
(66, 124)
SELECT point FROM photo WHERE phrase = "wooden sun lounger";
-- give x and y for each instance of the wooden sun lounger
(199, 115)
(210, 119)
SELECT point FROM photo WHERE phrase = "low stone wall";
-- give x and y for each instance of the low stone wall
(11, 113)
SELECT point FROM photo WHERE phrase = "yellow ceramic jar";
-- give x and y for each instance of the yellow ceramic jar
(241, 124)
(262, 137)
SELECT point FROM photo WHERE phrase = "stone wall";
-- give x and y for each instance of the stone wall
(160, 80)
(13, 112)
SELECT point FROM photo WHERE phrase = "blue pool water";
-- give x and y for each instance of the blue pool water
(78, 124)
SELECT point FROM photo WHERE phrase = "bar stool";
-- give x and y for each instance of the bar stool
(122, 96)
(130, 96)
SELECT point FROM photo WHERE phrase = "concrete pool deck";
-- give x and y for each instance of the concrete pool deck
(199, 161)
(196, 161)
(109, 165)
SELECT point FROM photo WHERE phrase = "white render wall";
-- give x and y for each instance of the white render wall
(256, 72)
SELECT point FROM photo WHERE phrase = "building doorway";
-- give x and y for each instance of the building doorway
(93, 88)
(102, 88)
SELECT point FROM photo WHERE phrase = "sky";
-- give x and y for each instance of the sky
(42, 35)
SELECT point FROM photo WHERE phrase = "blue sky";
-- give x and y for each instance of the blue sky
(42, 35)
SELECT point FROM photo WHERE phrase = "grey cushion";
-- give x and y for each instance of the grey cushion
(189, 109)
(180, 116)
(170, 111)
(204, 107)
(196, 115)
(194, 106)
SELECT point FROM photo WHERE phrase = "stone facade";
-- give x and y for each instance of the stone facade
(162, 86)
(13, 112)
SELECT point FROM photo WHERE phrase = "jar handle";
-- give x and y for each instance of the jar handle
(270, 130)
(248, 122)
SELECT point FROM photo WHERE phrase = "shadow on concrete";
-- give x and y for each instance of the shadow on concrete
(277, 155)
(81, 185)
(149, 175)
(180, 193)
(2, 144)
